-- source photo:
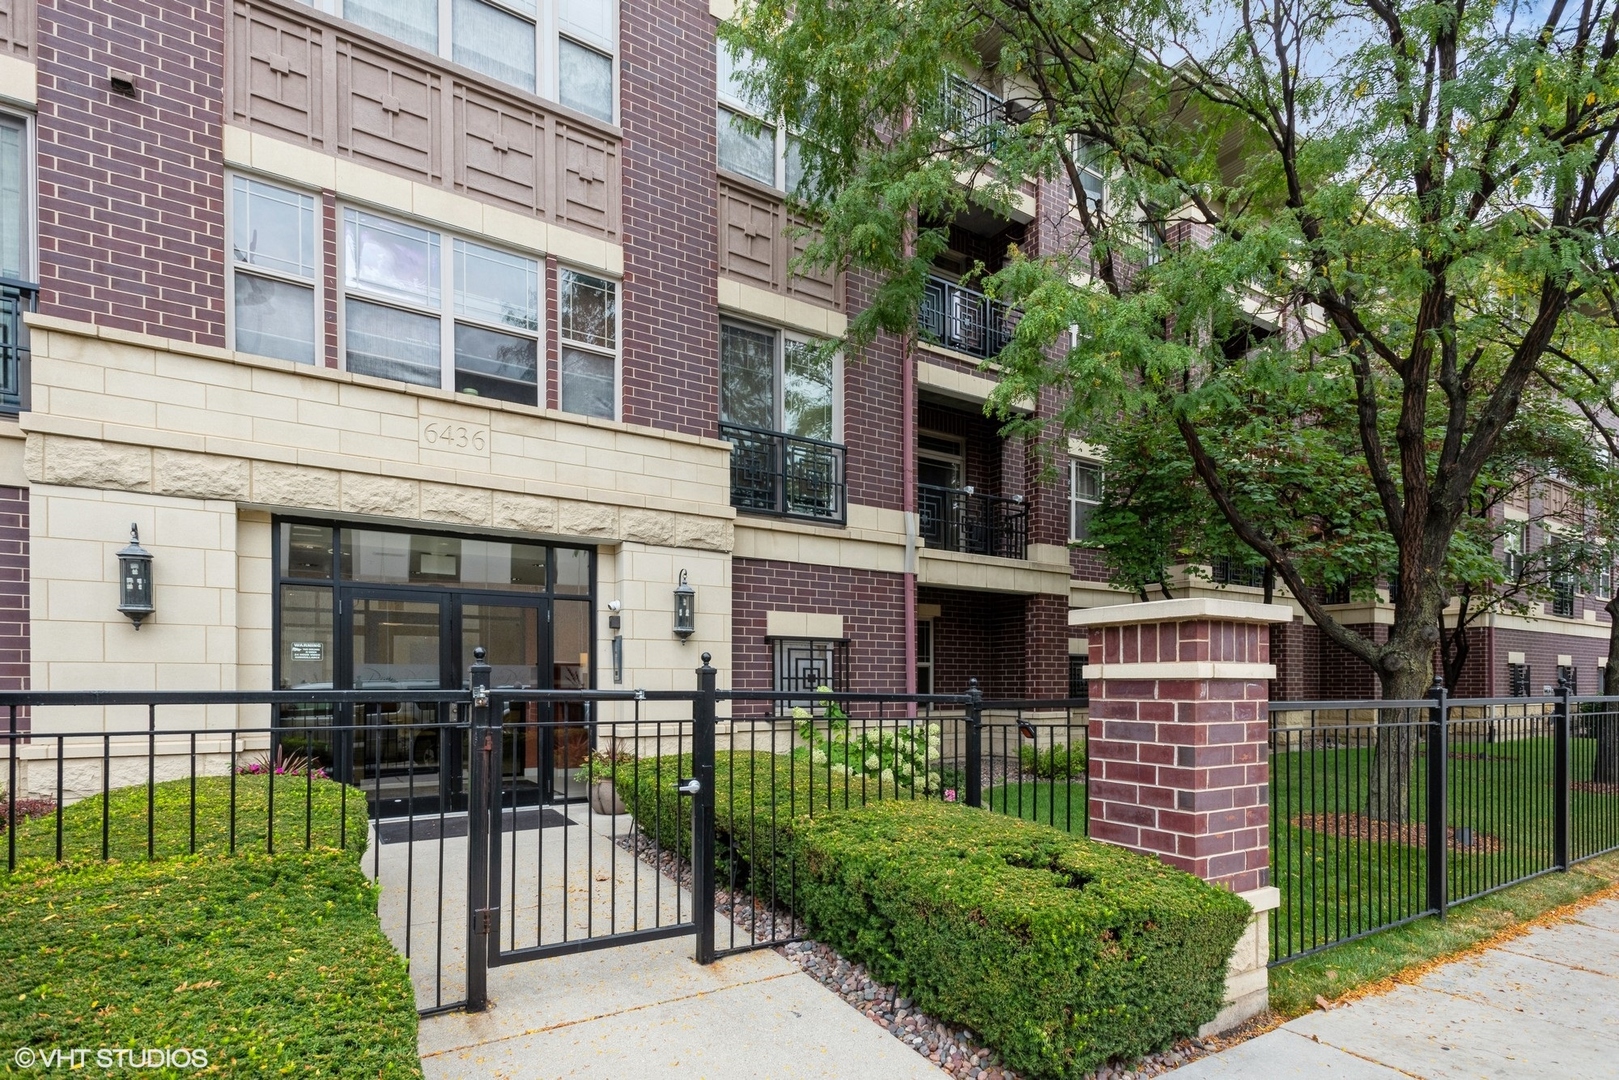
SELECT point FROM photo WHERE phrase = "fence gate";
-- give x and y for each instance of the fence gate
(548, 880)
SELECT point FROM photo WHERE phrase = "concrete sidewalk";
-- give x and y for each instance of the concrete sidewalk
(1543, 1005)
(629, 1011)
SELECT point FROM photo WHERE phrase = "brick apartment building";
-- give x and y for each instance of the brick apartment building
(400, 326)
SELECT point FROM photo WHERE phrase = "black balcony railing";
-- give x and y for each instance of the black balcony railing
(963, 319)
(16, 298)
(776, 473)
(972, 112)
(960, 519)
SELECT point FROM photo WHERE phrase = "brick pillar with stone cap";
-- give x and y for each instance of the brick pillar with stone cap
(1178, 748)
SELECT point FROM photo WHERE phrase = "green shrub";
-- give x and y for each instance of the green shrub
(1055, 762)
(1061, 952)
(275, 965)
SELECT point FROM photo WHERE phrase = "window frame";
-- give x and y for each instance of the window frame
(728, 102)
(1515, 546)
(782, 336)
(925, 661)
(316, 283)
(616, 353)
(446, 314)
(1075, 500)
(28, 213)
(550, 30)
(1520, 680)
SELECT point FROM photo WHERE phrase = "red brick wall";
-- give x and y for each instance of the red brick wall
(873, 404)
(671, 232)
(1178, 767)
(872, 605)
(1540, 651)
(131, 190)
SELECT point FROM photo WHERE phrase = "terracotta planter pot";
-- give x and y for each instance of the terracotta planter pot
(604, 799)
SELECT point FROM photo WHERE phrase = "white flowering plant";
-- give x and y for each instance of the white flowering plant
(905, 756)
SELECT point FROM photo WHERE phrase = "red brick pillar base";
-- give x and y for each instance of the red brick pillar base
(1178, 763)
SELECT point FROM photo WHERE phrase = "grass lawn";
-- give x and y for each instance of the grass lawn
(1059, 803)
(1358, 964)
(273, 964)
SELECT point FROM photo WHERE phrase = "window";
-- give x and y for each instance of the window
(469, 323)
(804, 665)
(1088, 162)
(1084, 495)
(924, 656)
(1518, 679)
(560, 49)
(274, 270)
(777, 409)
(1569, 677)
(776, 381)
(16, 251)
(1514, 547)
(1078, 686)
(587, 324)
(749, 144)
(1563, 594)
(1604, 580)
(1228, 571)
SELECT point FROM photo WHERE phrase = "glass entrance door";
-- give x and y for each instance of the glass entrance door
(514, 635)
(396, 644)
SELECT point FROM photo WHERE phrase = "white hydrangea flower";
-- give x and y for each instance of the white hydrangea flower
(800, 713)
(886, 776)
(873, 761)
(931, 784)
(818, 756)
(934, 729)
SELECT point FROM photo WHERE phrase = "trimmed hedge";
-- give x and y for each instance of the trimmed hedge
(275, 965)
(1062, 952)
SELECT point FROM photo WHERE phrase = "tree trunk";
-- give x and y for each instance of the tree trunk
(1395, 752)
(1606, 768)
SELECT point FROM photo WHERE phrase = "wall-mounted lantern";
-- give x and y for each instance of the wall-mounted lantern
(135, 579)
(685, 610)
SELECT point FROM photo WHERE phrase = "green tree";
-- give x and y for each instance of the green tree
(1403, 206)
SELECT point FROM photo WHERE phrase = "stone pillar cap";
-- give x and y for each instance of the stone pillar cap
(1190, 609)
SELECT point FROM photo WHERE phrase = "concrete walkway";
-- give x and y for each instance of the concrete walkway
(1540, 1006)
(645, 1010)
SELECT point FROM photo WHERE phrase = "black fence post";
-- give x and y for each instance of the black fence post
(479, 801)
(702, 811)
(1561, 793)
(975, 744)
(1438, 802)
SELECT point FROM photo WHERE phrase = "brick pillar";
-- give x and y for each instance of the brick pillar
(1178, 752)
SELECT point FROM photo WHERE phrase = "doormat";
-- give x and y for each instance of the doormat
(406, 830)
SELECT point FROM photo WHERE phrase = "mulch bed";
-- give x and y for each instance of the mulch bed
(26, 808)
(1591, 787)
(1409, 833)
(954, 1049)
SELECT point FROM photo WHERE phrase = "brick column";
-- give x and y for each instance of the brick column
(1178, 752)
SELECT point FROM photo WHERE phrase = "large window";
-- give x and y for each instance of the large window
(275, 270)
(559, 49)
(1515, 547)
(15, 201)
(469, 322)
(776, 381)
(587, 317)
(749, 143)
(1084, 496)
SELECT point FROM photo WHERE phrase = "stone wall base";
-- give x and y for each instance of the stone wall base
(1247, 980)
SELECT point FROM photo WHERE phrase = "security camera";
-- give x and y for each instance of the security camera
(614, 605)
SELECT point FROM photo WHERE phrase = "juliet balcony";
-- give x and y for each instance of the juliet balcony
(786, 476)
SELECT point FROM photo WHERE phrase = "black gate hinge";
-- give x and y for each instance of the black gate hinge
(483, 920)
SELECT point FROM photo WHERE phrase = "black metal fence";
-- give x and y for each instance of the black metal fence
(964, 319)
(482, 813)
(1383, 812)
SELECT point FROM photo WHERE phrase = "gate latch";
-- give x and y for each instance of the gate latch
(689, 787)
(484, 920)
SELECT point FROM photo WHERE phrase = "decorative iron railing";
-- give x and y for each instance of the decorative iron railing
(962, 319)
(972, 112)
(961, 519)
(16, 298)
(776, 473)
